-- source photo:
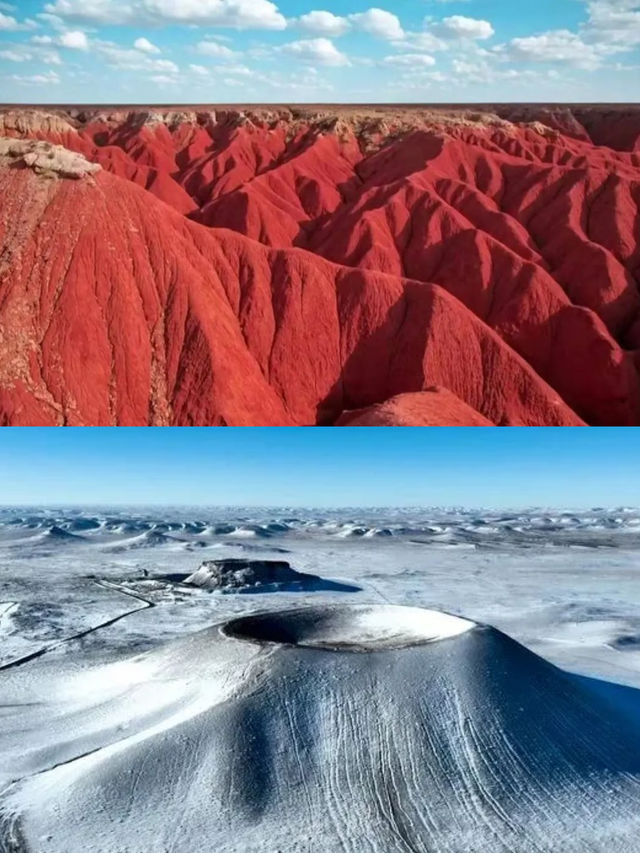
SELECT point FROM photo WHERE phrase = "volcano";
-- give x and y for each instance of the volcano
(320, 265)
(325, 728)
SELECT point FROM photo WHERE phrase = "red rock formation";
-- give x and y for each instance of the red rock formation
(431, 407)
(401, 249)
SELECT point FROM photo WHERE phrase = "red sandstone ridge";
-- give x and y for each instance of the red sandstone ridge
(431, 407)
(320, 266)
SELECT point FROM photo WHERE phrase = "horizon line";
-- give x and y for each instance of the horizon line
(164, 505)
(373, 104)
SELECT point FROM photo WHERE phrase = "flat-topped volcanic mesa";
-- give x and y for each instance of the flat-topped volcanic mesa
(238, 575)
(390, 265)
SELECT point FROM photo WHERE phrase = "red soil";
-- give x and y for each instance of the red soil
(431, 407)
(377, 253)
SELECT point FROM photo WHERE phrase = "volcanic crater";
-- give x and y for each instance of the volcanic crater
(348, 627)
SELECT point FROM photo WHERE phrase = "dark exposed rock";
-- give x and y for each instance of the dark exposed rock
(243, 576)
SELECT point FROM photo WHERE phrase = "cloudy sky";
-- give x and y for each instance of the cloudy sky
(159, 51)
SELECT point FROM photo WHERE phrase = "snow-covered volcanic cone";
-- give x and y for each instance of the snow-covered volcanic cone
(357, 728)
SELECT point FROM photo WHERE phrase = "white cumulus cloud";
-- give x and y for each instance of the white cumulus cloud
(9, 24)
(49, 78)
(555, 46)
(412, 60)
(322, 24)
(240, 14)
(613, 23)
(421, 42)
(130, 59)
(146, 46)
(378, 23)
(320, 51)
(239, 70)
(44, 45)
(73, 39)
(461, 27)
(14, 56)
(612, 27)
(213, 48)
(163, 80)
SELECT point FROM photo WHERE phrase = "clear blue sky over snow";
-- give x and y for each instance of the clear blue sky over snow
(321, 467)
(150, 51)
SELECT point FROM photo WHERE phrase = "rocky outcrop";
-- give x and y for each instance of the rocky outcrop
(254, 576)
(45, 159)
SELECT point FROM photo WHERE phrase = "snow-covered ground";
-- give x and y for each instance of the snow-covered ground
(566, 584)
(109, 662)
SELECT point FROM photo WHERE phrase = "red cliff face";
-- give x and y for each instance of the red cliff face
(281, 267)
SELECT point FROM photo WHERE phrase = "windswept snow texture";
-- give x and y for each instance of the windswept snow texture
(383, 265)
(141, 713)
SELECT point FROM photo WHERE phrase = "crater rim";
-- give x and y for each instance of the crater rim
(347, 627)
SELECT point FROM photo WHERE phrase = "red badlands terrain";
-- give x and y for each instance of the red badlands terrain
(372, 266)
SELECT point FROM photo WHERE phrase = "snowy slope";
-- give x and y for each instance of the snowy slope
(371, 728)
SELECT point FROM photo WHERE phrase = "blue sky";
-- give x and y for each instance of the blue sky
(322, 467)
(223, 51)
